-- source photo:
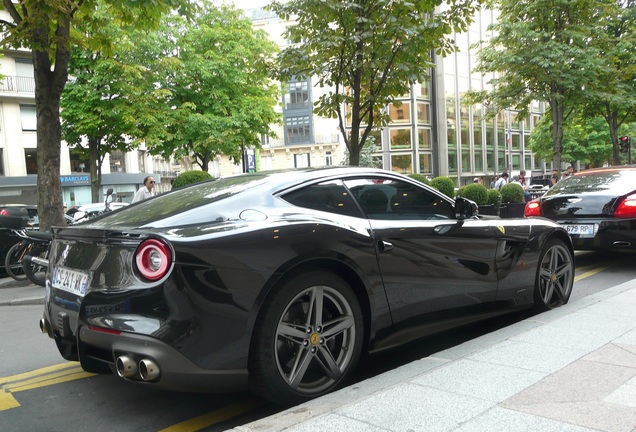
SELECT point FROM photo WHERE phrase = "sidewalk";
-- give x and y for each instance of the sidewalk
(14, 293)
(572, 369)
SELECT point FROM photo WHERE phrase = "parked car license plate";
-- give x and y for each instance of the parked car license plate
(580, 230)
(69, 280)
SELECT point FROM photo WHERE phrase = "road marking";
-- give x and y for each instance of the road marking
(214, 417)
(590, 273)
(43, 377)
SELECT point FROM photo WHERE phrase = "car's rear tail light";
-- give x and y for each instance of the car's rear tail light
(3, 212)
(533, 208)
(153, 259)
(627, 208)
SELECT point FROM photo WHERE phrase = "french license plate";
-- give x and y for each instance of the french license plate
(586, 230)
(68, 280)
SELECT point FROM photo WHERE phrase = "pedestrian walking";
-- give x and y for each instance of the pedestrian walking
(502, 181)
(146, 191)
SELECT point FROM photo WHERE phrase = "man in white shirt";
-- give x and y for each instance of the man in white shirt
(502, 181)
(147, 191)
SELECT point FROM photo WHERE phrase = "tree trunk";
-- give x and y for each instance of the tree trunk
(49, 84)
(557, 132)
(94, 157)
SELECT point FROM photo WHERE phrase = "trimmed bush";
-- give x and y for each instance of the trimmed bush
(190, 177)
(494, 197)
(474, 192)
(420, 178)
(445, 185)
(512, 193)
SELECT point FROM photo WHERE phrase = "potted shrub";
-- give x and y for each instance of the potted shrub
(475, 192)
(445, 185)
(420, 178)
(513, 200)
(189, 177)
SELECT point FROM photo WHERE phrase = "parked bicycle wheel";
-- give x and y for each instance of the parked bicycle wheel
(13, 262)
(33, 269)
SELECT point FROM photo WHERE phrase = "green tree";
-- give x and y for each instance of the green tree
(584, 140)
(51, 29)
(111, 101)
(221, 92)
(365, 53)
(613, 96)
(541, 51)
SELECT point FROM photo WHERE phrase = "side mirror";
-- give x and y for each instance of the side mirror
(465, 208)
(109, 192)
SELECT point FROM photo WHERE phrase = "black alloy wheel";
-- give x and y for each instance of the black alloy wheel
(555, 276)
(307, 340)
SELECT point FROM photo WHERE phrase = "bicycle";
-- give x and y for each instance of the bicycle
(35, 245)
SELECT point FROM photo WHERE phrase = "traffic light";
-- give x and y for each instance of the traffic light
(624, 143)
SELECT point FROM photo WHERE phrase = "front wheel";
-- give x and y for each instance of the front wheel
(13, 262)
(307, 340)
(555, 276)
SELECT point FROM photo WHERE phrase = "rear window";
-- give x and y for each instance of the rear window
(602, 182)
(183, 206)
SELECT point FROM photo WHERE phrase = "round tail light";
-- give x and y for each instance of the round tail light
(533, 208)
(153, 259)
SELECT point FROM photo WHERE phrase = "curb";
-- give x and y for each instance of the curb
(24, 301)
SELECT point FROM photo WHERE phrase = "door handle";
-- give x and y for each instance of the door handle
(385, 246)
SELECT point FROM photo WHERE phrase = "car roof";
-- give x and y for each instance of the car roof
(606, 169)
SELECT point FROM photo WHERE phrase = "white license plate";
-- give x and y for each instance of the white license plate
(586, 230)
(68, 280)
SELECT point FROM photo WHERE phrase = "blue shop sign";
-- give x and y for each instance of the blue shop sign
(75, 180)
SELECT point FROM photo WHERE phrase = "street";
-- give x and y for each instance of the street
(42, 392)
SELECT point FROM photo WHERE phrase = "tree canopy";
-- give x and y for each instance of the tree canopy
(221, 96)
(366, 53)
(51, 29)
(541, 50)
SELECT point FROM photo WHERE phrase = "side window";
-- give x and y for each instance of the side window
(330, 196)
(394, 199)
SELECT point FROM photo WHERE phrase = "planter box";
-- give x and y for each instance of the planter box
(512, 210)
(489, 210)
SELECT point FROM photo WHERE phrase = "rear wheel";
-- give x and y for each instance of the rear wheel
(307, 340)
(13, 262)
(555, 276)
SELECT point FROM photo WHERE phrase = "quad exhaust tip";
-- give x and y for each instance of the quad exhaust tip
(148, 370)
(126, 366)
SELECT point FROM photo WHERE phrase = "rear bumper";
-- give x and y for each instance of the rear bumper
(613, 235)
(176, 372)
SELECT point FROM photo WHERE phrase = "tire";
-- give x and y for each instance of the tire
(13, 262)
(297, 355)
(555, 276)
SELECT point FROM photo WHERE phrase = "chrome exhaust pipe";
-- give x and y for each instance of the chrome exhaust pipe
(148, 370)
(44, 327)
(126, 366)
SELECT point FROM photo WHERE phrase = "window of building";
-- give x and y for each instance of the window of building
(426, 163)
(141, 155)
(401, 113)
(402, 163)
(423, 113)
(117, 162)
(296, 95)
(328, 158)
(301, 160)
(28, 117)
(78, 164)
(298, 130)
(424, 138)
(400, 139)
(479, 161)
(31, 161)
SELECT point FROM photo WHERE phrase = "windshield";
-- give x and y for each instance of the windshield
(185, 203)
(603, 182)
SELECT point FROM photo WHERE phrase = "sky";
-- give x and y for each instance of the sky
(248, 4)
